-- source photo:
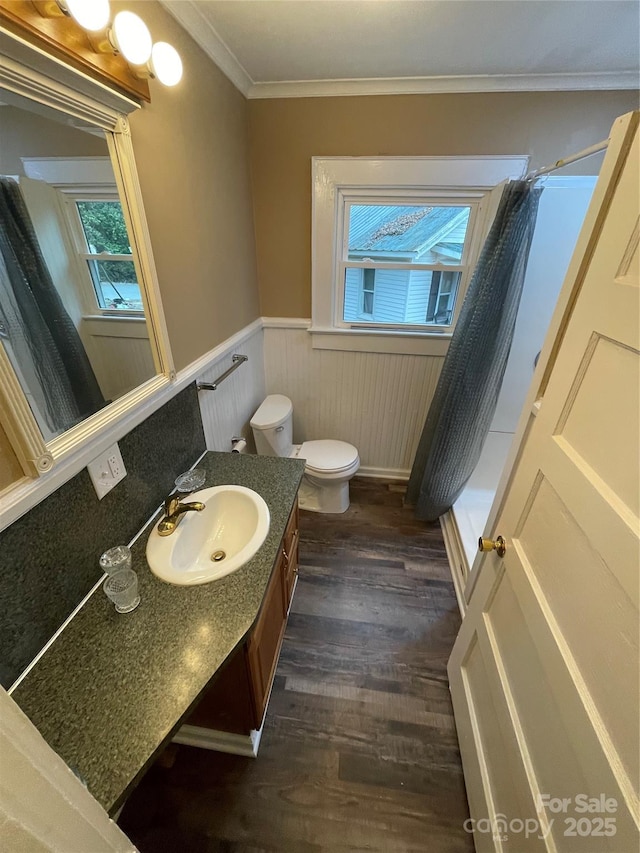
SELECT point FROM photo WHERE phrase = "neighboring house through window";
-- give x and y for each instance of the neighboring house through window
(368, 292)
(395, 241)
(405, 249)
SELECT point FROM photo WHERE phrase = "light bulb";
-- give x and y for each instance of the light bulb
(166, 64)
(132, 38)
(92, 15)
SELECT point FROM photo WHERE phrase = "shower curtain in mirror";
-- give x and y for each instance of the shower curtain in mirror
(466, 396)
(37, 331)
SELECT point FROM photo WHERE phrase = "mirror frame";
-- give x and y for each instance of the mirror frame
(29, 71)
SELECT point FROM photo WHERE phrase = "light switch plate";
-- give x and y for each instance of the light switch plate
(106, 470)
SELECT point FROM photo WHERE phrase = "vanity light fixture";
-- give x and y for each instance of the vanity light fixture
(130, 36)
(92, 15)
(165, 64)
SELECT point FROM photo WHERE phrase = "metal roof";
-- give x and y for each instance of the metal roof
(402, 229)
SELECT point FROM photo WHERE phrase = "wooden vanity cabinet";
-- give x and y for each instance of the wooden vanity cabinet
(290, 556)
(237, 700)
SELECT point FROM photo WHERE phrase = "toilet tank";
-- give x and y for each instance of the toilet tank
(272, 426)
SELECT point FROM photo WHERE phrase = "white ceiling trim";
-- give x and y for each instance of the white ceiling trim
(190, 16)
(187, 13)
(444, 85)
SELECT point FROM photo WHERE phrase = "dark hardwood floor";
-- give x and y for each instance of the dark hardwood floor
(359, 751)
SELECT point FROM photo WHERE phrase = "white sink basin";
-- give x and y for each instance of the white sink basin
(210, 544)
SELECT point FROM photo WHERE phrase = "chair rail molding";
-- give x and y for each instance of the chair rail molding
(376, 401)
(28, 493)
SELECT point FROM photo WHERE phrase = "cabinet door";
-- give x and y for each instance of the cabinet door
(263, 646)
(290, 556)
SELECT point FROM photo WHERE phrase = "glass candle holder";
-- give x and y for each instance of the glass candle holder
(116, 559)
(122, 589)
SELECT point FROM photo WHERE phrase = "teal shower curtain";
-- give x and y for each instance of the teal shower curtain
(35, 323)
(466, 396)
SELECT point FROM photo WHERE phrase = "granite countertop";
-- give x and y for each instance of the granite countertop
(113, 688)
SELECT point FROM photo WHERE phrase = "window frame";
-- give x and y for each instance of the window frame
(387, 178)
(418, 197)
(89, 295)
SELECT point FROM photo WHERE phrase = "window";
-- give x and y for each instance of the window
(394, 244)
(442, 295)
(106, 254)
(412, 256)
(368, 290)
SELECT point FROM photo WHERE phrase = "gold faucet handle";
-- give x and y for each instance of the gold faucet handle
(171, 504)
(197, 505)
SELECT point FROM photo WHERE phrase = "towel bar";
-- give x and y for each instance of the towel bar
(212, 386)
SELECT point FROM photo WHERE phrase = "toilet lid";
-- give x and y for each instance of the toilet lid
(272, 412)
(328, 455)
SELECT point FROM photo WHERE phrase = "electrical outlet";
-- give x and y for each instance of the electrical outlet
(106, 470)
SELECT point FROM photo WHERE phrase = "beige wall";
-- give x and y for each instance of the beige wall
(26, 134)
(286, 133)
(191, 151)
(192, 156)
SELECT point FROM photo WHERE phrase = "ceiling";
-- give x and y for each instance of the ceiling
(295, 48)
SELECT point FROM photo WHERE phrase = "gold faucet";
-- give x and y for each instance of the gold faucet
(173, 512)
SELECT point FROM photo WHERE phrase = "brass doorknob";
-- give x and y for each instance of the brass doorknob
(499, 545)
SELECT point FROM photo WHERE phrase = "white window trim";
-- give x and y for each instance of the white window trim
(89, 295)
(82, 179)
(334, 178)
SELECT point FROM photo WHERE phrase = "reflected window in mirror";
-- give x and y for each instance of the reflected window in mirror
(103, 244)
(72, 318)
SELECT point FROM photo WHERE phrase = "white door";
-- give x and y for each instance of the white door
(544, 672)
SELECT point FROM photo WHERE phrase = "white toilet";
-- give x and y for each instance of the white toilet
(329, 464)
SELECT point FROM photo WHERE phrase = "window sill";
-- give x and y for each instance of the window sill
(369, 340)
(114, 325)
(130, 318)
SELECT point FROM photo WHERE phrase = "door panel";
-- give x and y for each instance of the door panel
(557, 618)
(495, 739)
(575, 581)
(593, 423)
(558, 732)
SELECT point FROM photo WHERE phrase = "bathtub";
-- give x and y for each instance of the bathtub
(563, 205)
(463, 525)
(471, 510)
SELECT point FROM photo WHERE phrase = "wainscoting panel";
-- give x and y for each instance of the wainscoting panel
(376, 401)
(227, 411)
(120, 353)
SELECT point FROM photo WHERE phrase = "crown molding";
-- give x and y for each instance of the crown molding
(446, 85)
(191, 18)
(189, 14)
(27, 71)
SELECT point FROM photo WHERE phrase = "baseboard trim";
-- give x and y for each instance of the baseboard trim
(457, 558)
(235, 744)
(384, 473)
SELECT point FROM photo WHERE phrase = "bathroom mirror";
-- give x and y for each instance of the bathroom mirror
(82, 334)
(72, 318)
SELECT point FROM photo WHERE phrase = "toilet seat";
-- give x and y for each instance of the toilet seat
(327, 456)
